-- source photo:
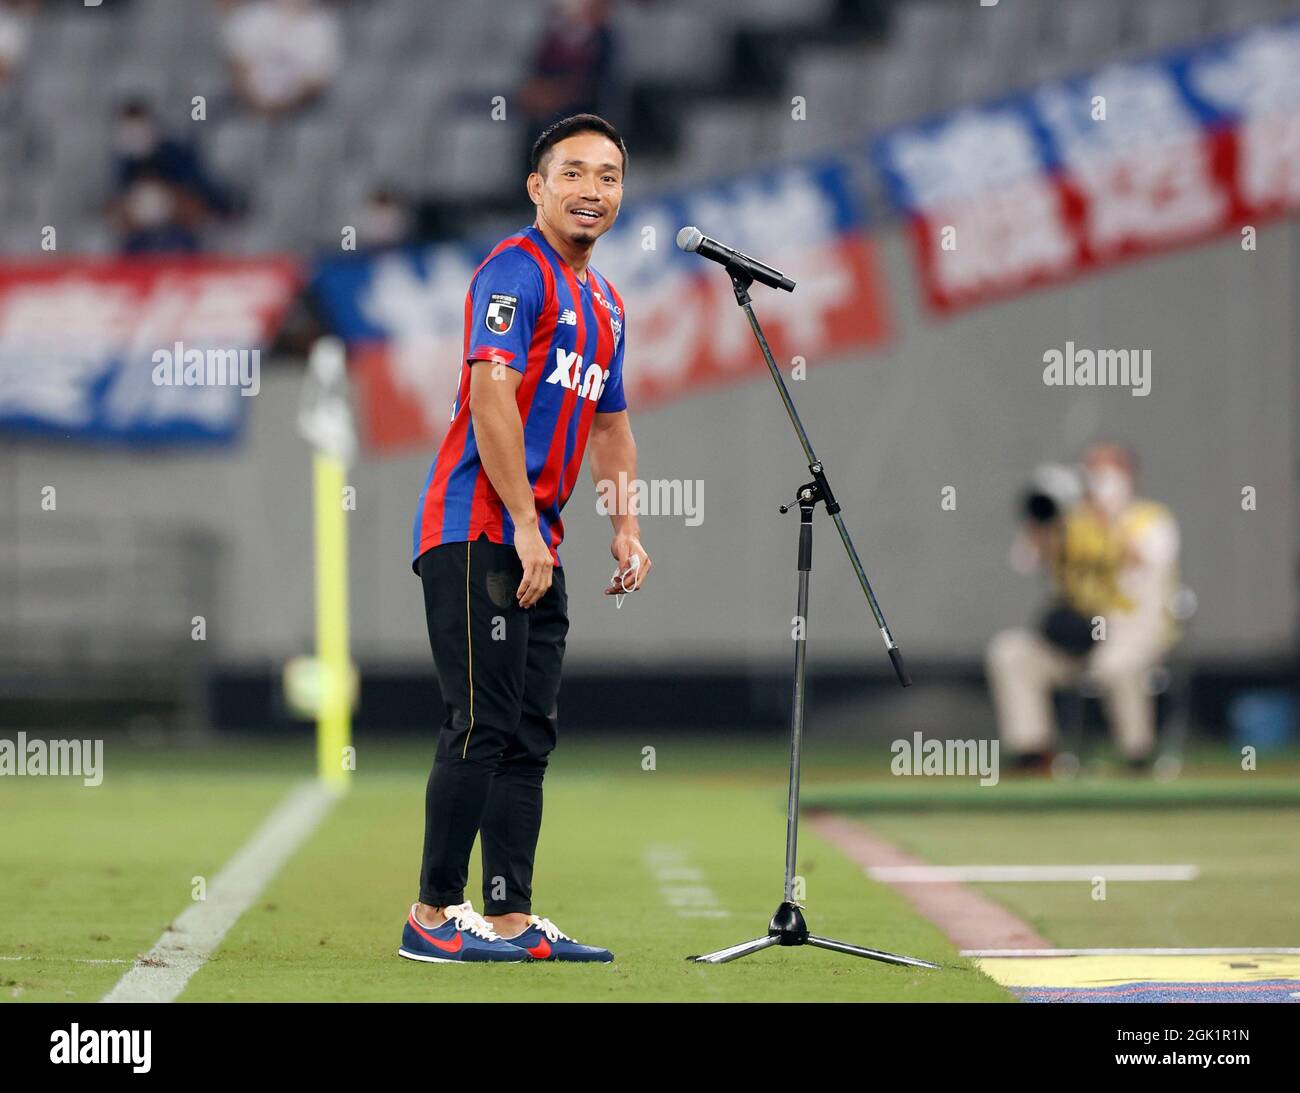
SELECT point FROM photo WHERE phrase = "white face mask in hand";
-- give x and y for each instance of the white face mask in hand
(625, 581)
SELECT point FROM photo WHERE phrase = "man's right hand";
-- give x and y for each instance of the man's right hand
(537, 562)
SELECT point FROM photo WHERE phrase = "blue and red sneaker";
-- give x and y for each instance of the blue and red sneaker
(543, 940)
(466, 937)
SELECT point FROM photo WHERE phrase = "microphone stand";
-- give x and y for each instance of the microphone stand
(788, 926)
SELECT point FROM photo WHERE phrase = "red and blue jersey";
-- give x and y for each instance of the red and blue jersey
(527, 310)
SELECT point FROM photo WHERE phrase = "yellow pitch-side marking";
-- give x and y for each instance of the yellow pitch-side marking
(1111, 968)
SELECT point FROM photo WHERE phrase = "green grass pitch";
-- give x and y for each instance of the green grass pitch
(93, 876)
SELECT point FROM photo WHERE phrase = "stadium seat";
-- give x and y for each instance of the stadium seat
(718, 138)
(773, 12)
(833, 80)
(397, 154)
(1088, 29)
(238, 145)
(456, 156)
(317, 142)
(1245, 13)
(1006, 32)
(928, 29)
(1162, 23)
(968, 79)
(896, 89)
(670, 42)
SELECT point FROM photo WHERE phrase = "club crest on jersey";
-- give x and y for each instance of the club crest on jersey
(501, 312)
(570, 375)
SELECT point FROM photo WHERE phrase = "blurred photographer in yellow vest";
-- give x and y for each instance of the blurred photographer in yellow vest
(1113, 562)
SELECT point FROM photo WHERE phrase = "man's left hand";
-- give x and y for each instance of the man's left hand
(624, 548)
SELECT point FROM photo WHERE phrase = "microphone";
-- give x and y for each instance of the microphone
(692, 240)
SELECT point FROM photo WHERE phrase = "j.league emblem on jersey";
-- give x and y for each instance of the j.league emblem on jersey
(501, 312)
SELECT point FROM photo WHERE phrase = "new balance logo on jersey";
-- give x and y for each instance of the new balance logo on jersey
(570, 375)
(569, 317)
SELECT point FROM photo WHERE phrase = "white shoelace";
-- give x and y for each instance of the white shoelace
(469, 920)
(552, 932)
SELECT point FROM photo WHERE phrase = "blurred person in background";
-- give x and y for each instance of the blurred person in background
(283, 54)
(1111, 556)
(150, 219)
(15, 36)
(571, 62)
(570, 66)
(387, 220)
(163, 195)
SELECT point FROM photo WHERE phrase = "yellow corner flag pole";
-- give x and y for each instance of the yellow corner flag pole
(325, 420)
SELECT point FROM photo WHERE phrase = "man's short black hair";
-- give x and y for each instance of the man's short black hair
(566, 127)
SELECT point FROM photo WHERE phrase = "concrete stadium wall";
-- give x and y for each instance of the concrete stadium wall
(951, 403)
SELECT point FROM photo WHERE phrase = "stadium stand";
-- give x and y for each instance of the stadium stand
(410, 104)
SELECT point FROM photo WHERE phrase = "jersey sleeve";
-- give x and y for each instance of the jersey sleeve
(611, 396)
(505, 300)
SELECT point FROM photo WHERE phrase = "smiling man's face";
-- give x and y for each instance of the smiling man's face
(579, 187)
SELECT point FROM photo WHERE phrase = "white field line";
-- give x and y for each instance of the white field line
(1131, 952)
(162, 973)
(682, 885)
(1014, 874)
(66, 959)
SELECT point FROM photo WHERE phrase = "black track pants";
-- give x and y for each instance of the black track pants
(499, 671)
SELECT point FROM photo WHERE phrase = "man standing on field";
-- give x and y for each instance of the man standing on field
(542, 372)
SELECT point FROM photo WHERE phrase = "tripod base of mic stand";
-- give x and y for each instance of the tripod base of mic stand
(788, 928)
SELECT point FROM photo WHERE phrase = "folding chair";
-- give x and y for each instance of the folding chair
(1169, 684)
